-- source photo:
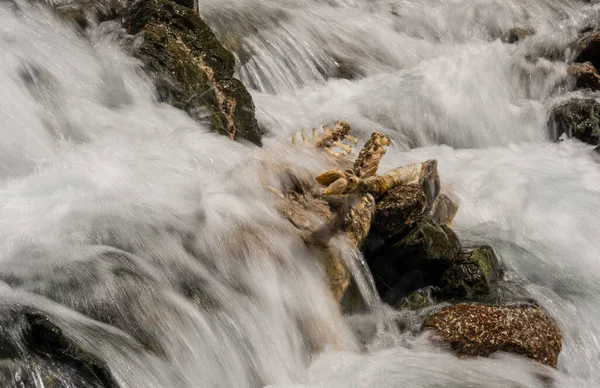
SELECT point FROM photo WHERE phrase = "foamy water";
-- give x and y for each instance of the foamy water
(113, 205)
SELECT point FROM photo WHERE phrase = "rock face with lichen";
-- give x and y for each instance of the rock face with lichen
(191, 69)
(578, 118)
(477, 330)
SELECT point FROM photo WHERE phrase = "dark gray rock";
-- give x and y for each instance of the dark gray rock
(579, 118)
(417, 260)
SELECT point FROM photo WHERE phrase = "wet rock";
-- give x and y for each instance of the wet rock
(587, 49)
(417, 300)
(444, 209)
(34, 348)
(473, 274)
(108, 286)
(579, 118)
(399, 210)
(313, 219)
(191, 69)
(517, 34)
(586, 76)
(82, 12)
(477, 330)
(417, 260)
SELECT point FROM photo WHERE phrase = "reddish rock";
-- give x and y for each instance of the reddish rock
(477, 330)
(586, 76)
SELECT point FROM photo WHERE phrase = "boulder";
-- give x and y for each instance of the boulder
(417, 260)
(478, 330)
(579, 118)
(586, 76)
(517, 34)
(473, 274)
(399, 210)
(191, 69)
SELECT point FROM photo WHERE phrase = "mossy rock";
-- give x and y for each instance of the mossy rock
(417, 300)
(473, 274)
(579, 118)
(191, 69)
(417, 260)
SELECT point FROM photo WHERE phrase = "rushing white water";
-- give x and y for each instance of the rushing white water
(118, 208)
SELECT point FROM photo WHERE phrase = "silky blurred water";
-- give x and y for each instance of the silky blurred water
(152, 242)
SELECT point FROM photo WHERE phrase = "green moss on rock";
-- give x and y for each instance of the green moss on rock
(191, 69)
(417, 300)
(473, 274)
(431, 240)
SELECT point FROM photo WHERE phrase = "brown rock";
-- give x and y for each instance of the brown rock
(399, 210)
(586, 76)
(477, 330)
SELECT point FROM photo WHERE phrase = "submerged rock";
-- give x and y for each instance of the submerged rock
(191, 69)
(477, 330)
(517, 34)
(579, 118)
(82, 12)
(473, 274)
(586, 76)
(32, 347)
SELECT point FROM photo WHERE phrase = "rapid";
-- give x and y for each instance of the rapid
(114, 204)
